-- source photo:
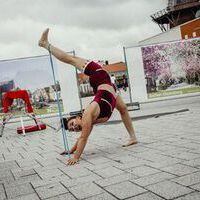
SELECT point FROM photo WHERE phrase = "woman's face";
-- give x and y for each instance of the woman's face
(75, 124)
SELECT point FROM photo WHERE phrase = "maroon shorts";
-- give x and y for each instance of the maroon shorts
(106, 101)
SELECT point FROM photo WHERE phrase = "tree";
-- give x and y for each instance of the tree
(173, 61)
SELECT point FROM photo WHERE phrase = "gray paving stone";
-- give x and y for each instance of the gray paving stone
(193, 163)
(189, 179)
(179, 169)
(162, 146)
(9, 165)
(191, 196)
(50, 190)
(50, 161)
(128, 165)
(142, 171)
(31, 167)
(103, 196)
(196, 186)
(163, 142)
(164, 163)
(99, 166)
(99, 160)
(14, 190)
(86, 190)
(115, 179)
(5, 173)
(28, 179)
(146, 196)
(40, 183)
(2, 193)
(23, 163)
(12, 156)
(43, 182)
(33, 196)
(108, 172)
(151, 155)
(49, 173)
(127, 157)
(80, 180)
(21, 173)
(125, 190)
(186, 155)
(152, 179)
(72, 171)
(138, 149)
(169, 190)
(66, 196)
(7, 179)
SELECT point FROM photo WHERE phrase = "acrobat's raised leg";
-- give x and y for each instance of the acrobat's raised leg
(79, 63)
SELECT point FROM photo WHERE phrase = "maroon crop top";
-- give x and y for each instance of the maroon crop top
(97, 75)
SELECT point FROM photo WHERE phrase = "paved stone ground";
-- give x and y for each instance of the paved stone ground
(165, 164)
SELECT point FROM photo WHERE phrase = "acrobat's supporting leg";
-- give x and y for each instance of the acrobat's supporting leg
(5, 120)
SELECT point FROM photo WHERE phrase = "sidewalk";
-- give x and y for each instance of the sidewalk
(165, 164)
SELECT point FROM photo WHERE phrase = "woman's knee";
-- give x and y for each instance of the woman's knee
(122, 108)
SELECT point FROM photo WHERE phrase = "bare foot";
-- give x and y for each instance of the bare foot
(43, 42)
(130, 142)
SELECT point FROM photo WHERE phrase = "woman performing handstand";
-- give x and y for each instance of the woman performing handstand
(102, 106)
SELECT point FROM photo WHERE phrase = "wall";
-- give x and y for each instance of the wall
(172, 34)
(190, 30)
(69, 89)
(136, 74)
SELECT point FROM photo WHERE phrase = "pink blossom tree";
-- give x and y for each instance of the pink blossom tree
(173, 61)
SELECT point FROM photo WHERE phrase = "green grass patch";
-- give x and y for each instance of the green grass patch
(180, 91)
(41, 111)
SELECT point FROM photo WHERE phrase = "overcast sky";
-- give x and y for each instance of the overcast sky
(95, 29)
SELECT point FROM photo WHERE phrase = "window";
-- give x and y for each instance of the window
(182, 1)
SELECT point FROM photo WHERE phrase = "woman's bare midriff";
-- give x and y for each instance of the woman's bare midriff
(108, 88)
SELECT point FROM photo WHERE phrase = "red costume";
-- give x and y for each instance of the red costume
(97, 76)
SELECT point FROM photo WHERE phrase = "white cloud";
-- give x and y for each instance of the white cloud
(94, 28)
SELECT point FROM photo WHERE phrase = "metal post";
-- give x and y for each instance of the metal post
(79, 93)
(66, 145)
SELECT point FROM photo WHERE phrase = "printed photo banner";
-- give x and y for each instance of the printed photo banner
(172, 68)
(34, 75)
